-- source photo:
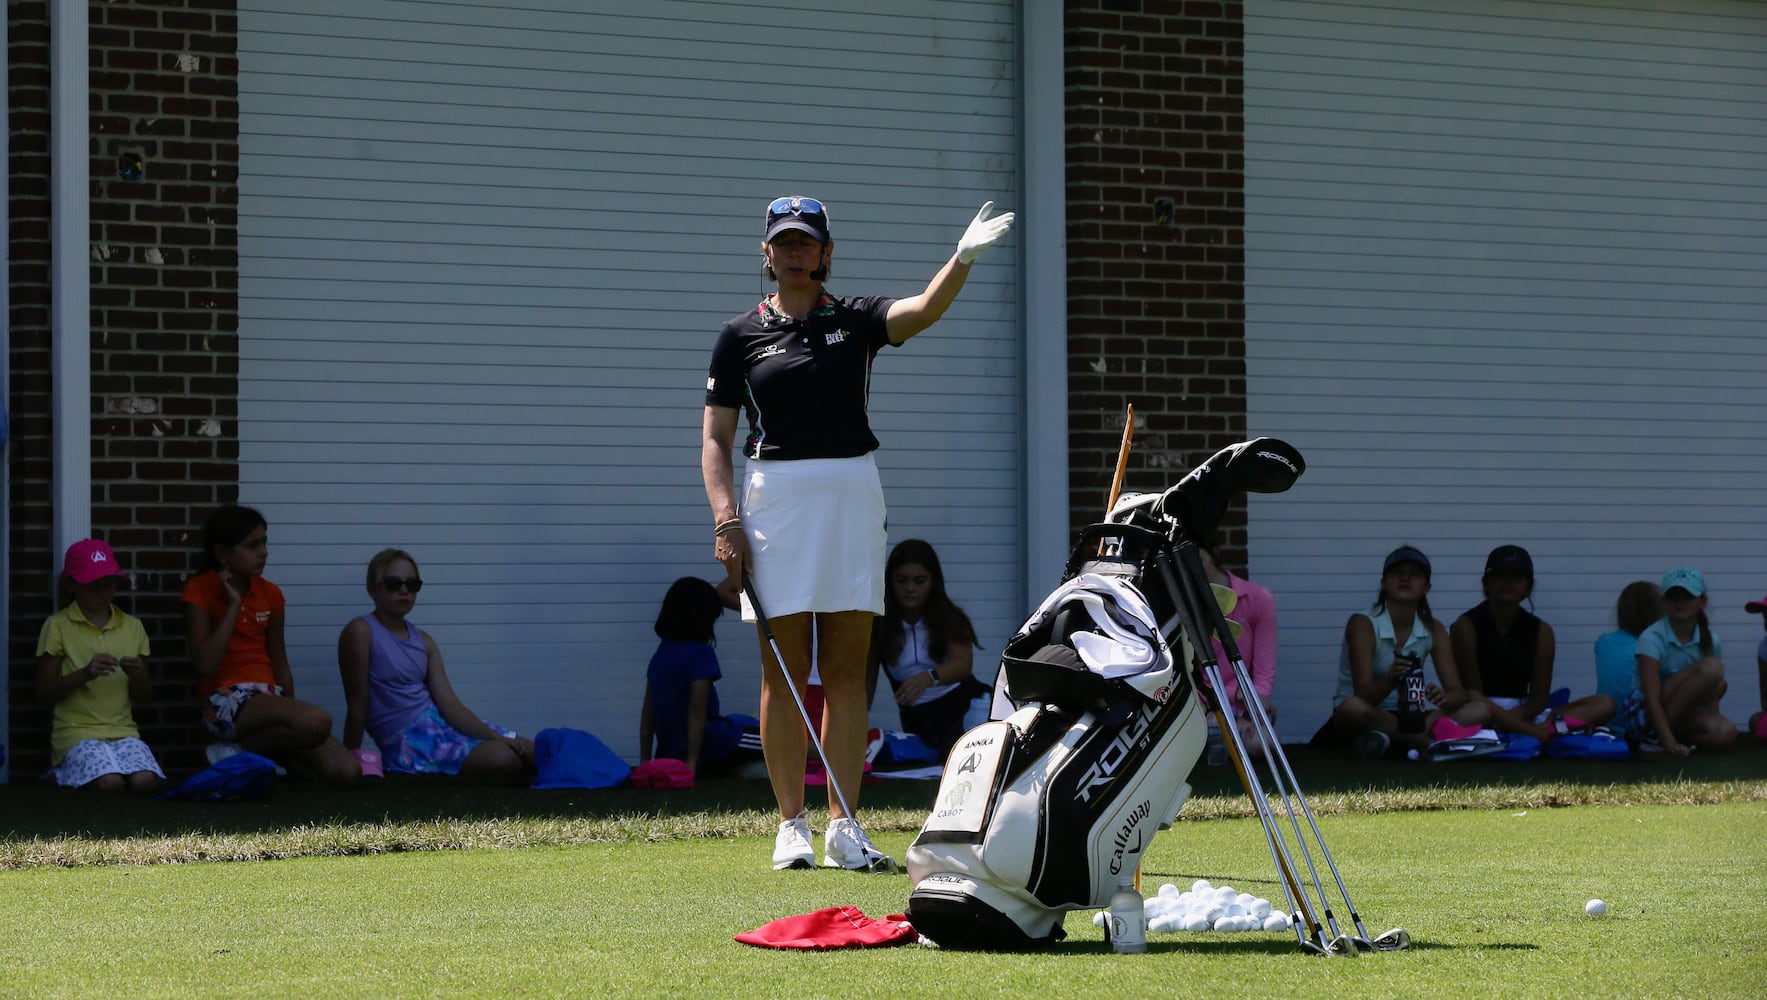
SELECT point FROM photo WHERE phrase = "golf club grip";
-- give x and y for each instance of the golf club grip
(748, 587)
(1122, 460)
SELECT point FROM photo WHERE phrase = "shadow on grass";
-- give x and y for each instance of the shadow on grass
(33, 810)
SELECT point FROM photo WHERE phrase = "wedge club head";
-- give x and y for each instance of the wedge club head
(1394, 940)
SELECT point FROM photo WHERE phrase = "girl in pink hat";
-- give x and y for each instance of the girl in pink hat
(92, 666)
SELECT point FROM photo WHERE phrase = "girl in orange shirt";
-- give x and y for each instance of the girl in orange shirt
(233, 619)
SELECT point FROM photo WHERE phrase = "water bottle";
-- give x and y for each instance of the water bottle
(1412, 706)
(1128, 925)
(1216, 750)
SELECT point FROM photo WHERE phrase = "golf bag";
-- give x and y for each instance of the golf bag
(1051, 808)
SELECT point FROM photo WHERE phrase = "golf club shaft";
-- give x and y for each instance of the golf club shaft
(1122, 460)
(1110, 502)
(1191, 569)
(748, 585)
(1190, 615)
(1299, 902)
(1280, 769)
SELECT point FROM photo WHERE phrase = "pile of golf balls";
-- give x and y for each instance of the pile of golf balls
(1206, 908)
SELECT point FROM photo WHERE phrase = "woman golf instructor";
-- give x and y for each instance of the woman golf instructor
(809, 527)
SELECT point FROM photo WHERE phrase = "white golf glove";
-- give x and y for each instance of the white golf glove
(982, 233)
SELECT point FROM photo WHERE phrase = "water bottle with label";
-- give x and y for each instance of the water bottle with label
(1128, 920)
(1412, 704)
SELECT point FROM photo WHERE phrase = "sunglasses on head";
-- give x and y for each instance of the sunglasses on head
(394, 584)
(796, 206)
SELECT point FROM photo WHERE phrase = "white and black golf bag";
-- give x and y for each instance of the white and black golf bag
(1050, 809)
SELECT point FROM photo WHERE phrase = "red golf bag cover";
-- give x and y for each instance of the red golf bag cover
(1051, 808)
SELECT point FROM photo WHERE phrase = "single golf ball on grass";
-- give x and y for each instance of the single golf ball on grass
(1595, 908)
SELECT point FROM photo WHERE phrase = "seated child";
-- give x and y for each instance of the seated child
(925, 645)
(680, 717)
(396, 688)
(233, 622)
(1505, 653)
(91, 663)
(1681, 674)
(1758, 721)
(1616, 652)
(1382, 649)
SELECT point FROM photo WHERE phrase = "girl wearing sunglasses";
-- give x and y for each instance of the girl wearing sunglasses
(233, 620)
(808, 521)
(396, 688)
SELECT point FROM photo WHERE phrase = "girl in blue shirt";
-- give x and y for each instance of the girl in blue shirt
(680, 718)
(1681, 673)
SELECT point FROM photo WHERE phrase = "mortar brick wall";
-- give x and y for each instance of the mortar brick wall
(164, 322)
(1156, 243)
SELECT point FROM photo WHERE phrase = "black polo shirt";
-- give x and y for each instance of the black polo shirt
(804, 383)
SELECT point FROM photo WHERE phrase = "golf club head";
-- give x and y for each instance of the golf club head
(1343, 946)
(1394, 940)
(1200, 499)
(883, 864)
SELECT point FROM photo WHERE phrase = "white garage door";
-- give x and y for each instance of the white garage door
(1505, 283)
(484, 250)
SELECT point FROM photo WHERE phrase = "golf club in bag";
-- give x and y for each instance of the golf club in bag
(875, 860)
(1111, 682)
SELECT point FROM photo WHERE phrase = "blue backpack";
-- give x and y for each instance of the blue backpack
(1597, 745)
(1516, 746)
(241, 776)
(572, 758)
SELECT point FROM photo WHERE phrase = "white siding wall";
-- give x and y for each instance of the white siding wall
(484, 252)
(1506, 279)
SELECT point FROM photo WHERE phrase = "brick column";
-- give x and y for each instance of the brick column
(1156, 220)
(165, 316)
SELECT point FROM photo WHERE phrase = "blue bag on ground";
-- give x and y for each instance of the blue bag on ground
(906, 748)
(242, 776)
(1598, 745)
(1516, 746)
(572, 758)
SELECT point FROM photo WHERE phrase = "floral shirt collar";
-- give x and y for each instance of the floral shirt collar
(771, 313)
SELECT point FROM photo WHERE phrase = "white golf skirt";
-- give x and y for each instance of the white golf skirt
(816, 536)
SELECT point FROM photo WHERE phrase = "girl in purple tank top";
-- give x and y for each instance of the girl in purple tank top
(397, 690)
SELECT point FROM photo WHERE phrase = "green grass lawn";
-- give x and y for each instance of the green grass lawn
(628, 893)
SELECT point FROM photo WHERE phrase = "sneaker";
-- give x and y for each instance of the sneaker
(1374, 744)
(792, 848)
(844, 845)
(1567, 725)
(218, 752)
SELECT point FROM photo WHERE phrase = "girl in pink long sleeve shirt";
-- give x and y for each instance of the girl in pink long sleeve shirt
(1256, 615)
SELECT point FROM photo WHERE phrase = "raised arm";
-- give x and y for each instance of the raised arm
(911, 315)
(207, 639)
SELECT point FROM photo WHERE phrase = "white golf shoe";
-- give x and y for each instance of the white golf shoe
(844, 845)
(792, 847)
